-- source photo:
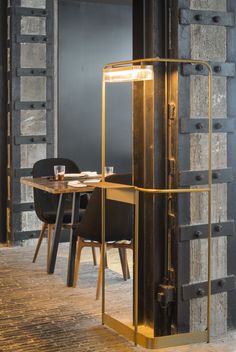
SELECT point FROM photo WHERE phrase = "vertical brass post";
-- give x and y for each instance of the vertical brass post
(209, 199)
(136, 240)
(103, 127)
(103, 251)
(103, 193)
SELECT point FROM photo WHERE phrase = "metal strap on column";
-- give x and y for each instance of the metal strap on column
(16, 139)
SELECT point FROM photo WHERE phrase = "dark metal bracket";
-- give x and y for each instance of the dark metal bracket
(200, 125)
(25, 235)
(26, 38)
(18, 208)
(45, 72)
(23, 172)
(27, 11)
(212, 18)
(33, 105)
(194, 232)
(224, 69)
(32, 139)
(194, 178)
(199, 289)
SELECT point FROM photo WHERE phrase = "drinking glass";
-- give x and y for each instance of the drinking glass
(59, 172)
(108, 170)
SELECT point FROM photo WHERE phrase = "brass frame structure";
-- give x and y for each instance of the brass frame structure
(130, 194)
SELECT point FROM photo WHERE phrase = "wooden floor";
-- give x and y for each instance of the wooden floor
(39, 313)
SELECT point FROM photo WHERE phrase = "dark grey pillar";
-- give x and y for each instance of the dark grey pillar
(149, 158)
(3, 118)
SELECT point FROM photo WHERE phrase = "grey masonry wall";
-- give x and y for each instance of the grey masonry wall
(208, 43)
(36, 118)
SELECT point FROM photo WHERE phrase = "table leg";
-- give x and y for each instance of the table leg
(57, 233)
(73, 238)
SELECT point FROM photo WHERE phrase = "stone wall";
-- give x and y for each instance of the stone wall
(33, 122)
(208, 43)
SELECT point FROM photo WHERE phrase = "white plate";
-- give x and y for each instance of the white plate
(94, 180)
(82, 174)
(76, 184)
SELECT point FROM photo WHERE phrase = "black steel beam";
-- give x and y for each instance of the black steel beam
(180, 40)
(149, 41)
(211, 18)
(199, 289)
(3, 119)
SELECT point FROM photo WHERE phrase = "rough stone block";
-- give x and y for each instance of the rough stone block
(33, 55)
(33, 122)
(208, 42)
(30, 153)
(214, 5)
(199, 97)
(27, 219)
(33, 88)
(34, 3)
(199, 151)
(33, 25)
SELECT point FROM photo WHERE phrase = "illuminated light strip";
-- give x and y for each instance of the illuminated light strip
(129, 74)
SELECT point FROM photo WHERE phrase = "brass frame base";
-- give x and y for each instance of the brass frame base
(146, 340)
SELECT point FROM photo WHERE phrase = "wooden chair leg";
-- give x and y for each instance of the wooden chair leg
(99, 281)
(124, 263)
(94, 256)
(106, 261)
(44, 226)
(79, 247)
(50, 230)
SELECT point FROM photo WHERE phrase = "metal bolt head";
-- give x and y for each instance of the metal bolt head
(199, 126)
(198, 17)
(218, 126)
(199, 177)
(200, 292)
(217, 69)
(199, 67)
(221, 283)
(215, 175)
(218, 228)
(216, 19)
(197, 234)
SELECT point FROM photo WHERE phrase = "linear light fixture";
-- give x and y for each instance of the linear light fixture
(128, 74)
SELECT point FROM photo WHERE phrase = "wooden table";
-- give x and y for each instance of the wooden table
(61, 188)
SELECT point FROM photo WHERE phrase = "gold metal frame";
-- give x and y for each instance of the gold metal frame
(137, 334)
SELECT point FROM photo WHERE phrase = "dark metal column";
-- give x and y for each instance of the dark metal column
(149, 157)
(3, 118)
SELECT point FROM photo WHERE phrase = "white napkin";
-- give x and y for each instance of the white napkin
(89, 173)
(76, 184)
(94, 180)
(73, 175)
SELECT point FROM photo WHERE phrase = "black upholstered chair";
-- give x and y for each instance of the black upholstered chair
(46, 204)
(119, 226)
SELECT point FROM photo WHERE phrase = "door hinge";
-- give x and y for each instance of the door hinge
(171, 164)
(171, 111)
(166, 294)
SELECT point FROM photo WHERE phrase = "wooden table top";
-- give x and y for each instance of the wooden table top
(57, 187)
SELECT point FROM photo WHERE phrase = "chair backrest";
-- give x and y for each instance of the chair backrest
(119, 223)
(45, 202)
